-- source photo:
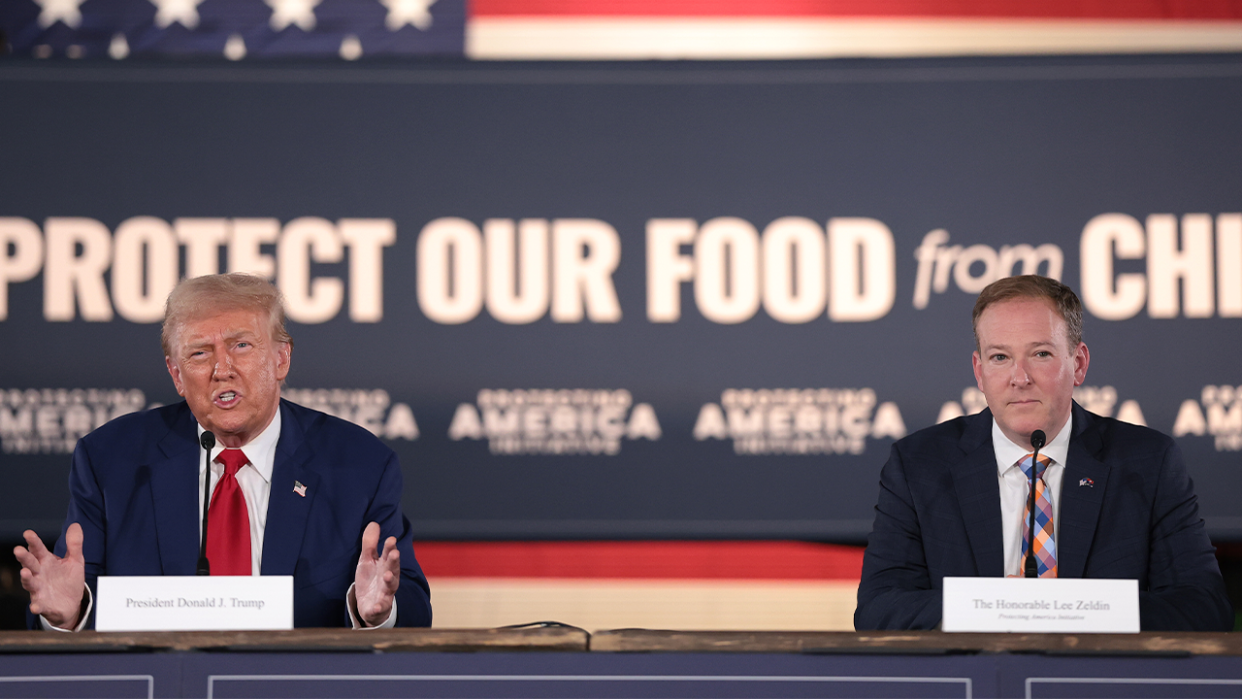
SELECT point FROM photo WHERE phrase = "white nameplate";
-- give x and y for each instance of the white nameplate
(1041, 605)
(194, 603)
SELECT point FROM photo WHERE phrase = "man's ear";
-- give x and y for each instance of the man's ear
(977, 362)
(284, 356)
(1082, 359)
(175, 372)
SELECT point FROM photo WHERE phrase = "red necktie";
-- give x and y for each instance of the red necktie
(228, 523)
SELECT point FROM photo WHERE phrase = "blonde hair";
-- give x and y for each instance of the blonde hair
(203, 296)
(1033, 286)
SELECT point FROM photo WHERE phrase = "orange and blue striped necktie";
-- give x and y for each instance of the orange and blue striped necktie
(1045, 545)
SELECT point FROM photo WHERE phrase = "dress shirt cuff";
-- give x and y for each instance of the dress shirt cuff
(351, 603)
(88, 603)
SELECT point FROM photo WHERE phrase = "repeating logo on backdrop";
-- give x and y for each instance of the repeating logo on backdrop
(554, 421)
(1217, 413)
(51, 420)
(799, 420)
(372, 409)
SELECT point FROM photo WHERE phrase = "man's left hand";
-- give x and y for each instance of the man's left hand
(377, 577)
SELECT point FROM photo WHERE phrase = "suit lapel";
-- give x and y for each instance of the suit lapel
(978, 495)
(1080, 502)
(287, 511)
(174, 490)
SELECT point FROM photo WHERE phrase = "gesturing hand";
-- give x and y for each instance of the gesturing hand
(55, 584)
(377, 577)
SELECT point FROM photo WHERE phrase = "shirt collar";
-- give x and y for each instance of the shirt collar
(260, 451)
(1009, 454)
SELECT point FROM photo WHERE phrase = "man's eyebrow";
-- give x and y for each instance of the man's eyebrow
(205, 340)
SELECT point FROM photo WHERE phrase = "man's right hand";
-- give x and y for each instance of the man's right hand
(56, 585)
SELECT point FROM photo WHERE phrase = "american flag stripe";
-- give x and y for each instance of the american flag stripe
(759, 585)
(792, 29)
(1012, 9)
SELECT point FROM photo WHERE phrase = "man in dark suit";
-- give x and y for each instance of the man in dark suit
(294, 491)
(953, 497)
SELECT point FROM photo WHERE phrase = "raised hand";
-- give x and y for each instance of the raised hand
(377, 577)
(55, 584)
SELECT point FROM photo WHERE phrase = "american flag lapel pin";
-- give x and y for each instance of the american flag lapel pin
(299, 488)
(1087, 482)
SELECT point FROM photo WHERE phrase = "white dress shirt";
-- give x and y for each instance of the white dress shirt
(255, 481)
(1015, 488)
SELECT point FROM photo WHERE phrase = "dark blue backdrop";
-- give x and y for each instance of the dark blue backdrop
(998, 153)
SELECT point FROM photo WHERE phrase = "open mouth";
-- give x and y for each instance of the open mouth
(227, 399)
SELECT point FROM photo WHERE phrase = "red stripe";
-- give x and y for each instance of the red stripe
(734, 560)
(975, 9)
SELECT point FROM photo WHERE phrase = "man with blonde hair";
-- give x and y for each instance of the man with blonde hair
(1113, 500)
(294, 491)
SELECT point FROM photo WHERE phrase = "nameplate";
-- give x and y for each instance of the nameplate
(194, 603)
(1040, 605)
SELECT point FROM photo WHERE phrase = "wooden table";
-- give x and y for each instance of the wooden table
(523, 663)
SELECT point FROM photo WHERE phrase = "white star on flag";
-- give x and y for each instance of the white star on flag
(403, 12)
(183, 11)
(299, 12)
(64, 10)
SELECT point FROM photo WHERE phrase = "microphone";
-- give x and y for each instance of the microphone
(1038, 439)
(207, 441)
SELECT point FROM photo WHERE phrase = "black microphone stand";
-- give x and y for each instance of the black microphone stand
(207, 441)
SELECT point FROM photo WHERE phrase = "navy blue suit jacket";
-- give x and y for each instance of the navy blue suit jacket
(134, 488)
(939, 515)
